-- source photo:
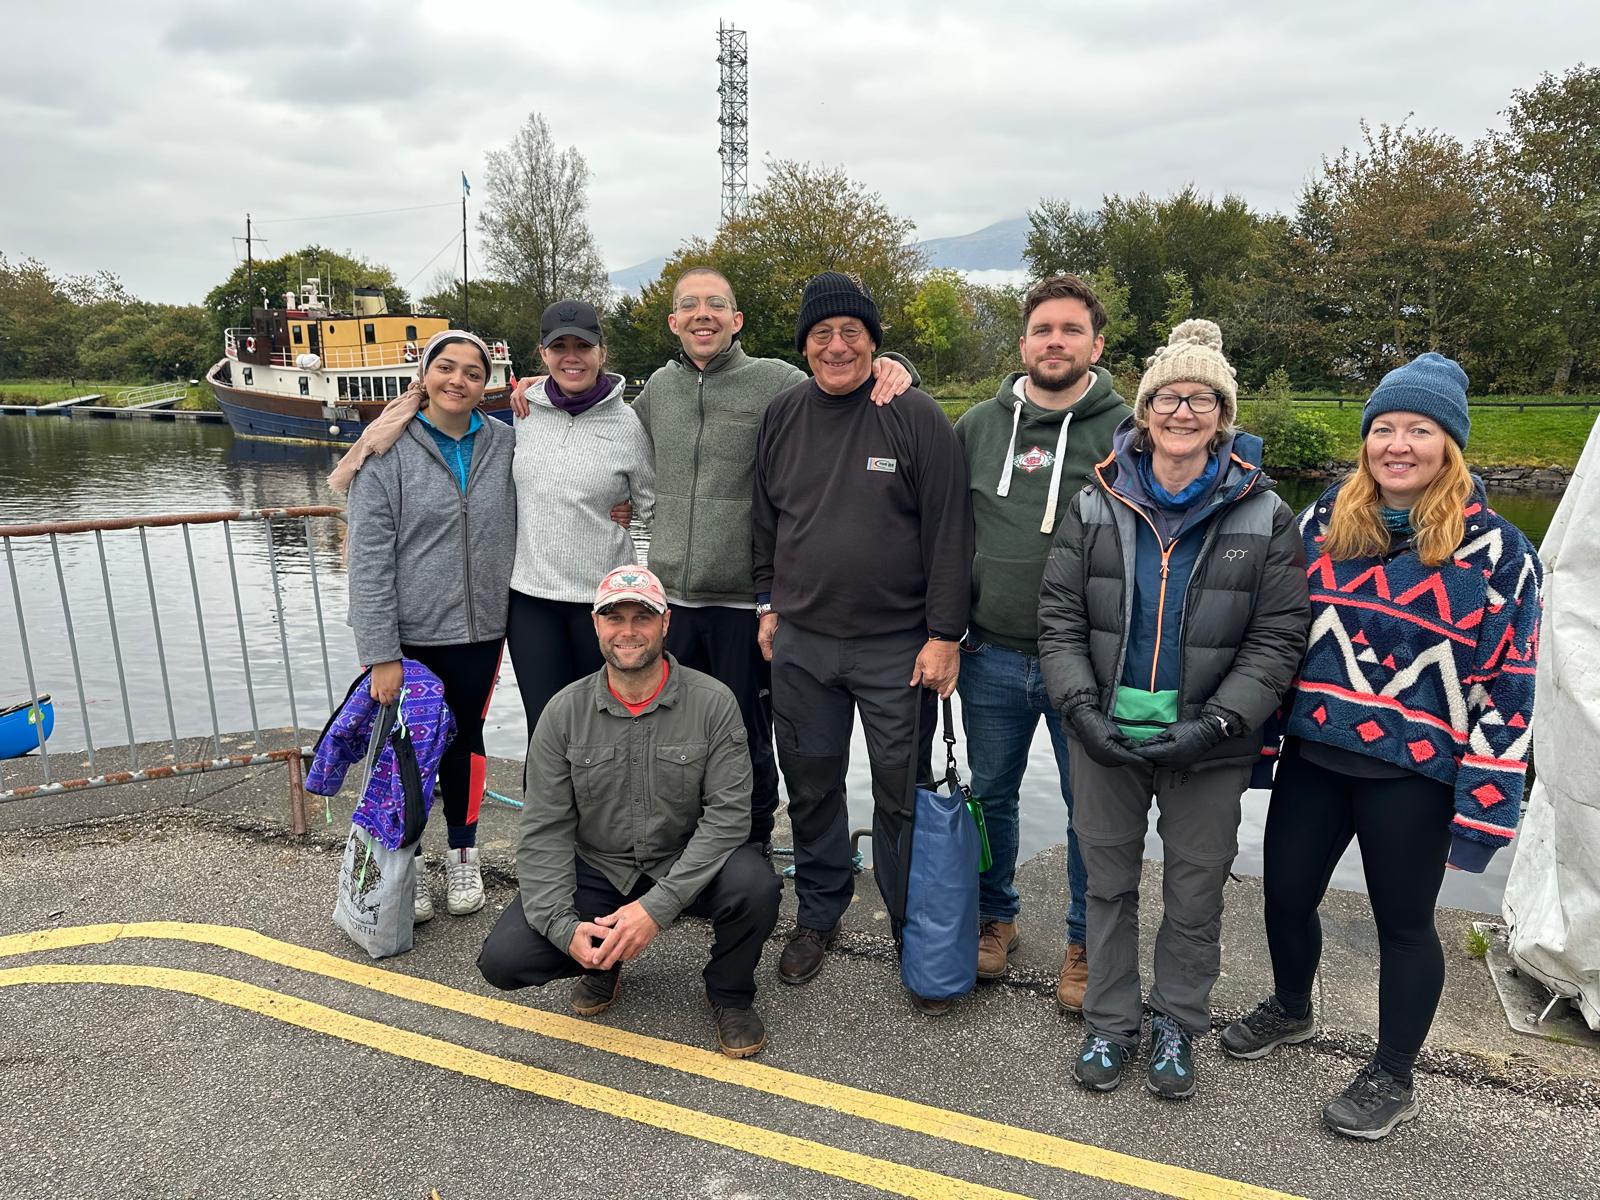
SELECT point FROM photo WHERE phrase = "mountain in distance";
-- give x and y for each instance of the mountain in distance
(991, 254)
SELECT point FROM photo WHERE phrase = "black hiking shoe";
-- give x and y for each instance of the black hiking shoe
(1099, 1063)
(1371, 1107)
(595, 993)
(1170, 1074)
(740, 1032)
(1265, 1028)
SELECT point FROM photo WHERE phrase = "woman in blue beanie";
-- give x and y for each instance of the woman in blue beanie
(1408, 727)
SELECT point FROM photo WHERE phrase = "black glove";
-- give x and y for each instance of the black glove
(1185, 743)
(1102, 740)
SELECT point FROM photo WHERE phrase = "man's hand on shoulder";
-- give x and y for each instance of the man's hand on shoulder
(938, 664)
(519, 395)
(892, 380)
(626, 933)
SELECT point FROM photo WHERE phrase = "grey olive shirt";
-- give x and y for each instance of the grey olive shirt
(665, 794)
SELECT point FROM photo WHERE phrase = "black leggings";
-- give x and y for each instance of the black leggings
(468, 672)
(552, 644)
(1403, 827)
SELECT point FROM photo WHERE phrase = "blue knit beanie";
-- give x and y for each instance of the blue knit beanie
(1430, 385)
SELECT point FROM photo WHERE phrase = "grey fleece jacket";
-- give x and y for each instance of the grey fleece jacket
(429, 565)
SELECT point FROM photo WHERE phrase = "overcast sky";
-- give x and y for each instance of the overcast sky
(135, 137)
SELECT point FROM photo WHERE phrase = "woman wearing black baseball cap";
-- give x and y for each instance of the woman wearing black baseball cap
(580, 452)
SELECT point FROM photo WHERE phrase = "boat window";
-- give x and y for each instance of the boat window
(305, 385)
(247, 378)
(344, 387)
(391, 386)
(411, 333)
(299, 334)
(371, 332)
(366, 387)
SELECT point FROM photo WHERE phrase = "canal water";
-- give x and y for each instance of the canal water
(58, 469)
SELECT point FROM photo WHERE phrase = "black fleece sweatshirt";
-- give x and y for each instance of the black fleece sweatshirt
(862, 524)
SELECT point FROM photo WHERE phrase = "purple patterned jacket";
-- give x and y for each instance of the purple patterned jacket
(424, 726)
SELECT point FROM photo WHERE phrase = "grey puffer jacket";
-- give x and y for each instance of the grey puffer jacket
(1244, 616)
(430, 566)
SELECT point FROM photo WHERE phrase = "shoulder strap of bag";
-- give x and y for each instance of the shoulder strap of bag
(952, 776)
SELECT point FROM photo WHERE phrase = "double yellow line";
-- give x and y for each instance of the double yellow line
(959, 1128)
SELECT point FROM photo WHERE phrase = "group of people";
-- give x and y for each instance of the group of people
(830, 545)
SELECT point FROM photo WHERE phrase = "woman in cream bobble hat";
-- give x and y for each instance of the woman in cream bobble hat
(1172, 617)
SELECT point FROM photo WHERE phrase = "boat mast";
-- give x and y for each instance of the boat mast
(466, 303)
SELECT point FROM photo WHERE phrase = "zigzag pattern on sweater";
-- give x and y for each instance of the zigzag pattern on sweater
(1428, 668)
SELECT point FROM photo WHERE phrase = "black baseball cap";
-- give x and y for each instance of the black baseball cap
(570, 316)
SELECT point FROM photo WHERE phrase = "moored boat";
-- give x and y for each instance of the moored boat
(20, 724)
(306, 373)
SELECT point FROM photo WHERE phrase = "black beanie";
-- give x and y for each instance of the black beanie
(831, 294)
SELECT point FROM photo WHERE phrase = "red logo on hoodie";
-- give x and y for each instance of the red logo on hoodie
(1031, 460)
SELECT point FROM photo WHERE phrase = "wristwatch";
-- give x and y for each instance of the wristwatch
(762, 610)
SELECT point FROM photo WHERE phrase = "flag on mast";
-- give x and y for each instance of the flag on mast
(466, 188)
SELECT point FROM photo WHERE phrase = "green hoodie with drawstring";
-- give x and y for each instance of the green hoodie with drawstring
(1025, 464)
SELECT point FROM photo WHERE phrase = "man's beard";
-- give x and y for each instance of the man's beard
(1071, 380)
(652, 655)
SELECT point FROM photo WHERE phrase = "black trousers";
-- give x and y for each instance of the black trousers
(721, 641)
(552, 644)
(741, 901)
(468, 672)
(1403, 828)
(818, 683)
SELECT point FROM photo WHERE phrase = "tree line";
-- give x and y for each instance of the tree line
(1410, 240)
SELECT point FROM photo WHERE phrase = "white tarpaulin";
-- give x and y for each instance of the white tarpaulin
(1552, 898)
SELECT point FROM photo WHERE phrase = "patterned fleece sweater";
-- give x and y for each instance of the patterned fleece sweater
(1429, 668)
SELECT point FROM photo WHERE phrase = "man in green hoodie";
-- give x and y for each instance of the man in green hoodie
(1028, 451)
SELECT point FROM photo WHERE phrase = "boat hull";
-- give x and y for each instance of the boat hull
(19, 727)
(256, 414)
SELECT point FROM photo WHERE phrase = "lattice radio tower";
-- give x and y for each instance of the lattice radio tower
(733, 56)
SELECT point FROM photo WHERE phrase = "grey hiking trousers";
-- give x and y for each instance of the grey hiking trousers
(1199, 828)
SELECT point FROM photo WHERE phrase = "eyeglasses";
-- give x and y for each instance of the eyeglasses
(689, 304)
(1166, 403)
(851, 334)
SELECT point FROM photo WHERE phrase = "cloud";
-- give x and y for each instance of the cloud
(137, 139)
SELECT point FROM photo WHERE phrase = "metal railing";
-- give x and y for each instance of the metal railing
(155, 393)
(345, 358)
(276, 521)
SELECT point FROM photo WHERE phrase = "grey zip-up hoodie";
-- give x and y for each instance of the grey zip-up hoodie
(429, 564)
(569, 471)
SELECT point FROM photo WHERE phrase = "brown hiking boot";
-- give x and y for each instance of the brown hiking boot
(803, 956)
(593, 994)
(1074, 979)
(996, 939)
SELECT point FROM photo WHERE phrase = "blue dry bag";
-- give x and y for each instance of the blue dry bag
(939, 943)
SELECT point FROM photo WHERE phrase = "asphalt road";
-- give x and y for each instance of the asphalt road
(303, 1070)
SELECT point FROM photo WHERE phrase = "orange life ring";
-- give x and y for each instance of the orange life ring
(250, 345)
(411, 352)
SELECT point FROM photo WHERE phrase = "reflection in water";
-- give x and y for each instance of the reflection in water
(58, 469)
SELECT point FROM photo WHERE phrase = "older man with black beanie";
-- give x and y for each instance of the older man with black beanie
(862, 546)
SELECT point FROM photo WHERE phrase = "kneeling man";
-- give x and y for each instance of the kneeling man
(637, 809)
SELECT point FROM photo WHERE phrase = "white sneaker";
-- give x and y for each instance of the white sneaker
(422, 902)
(463, 881)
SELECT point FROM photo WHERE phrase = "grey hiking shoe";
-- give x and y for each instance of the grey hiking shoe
(1099, 1063)
(1371, 1107)
(1170, 1074)
(1266, 1028)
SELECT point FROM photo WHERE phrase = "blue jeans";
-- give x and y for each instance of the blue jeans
(1002, 699)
